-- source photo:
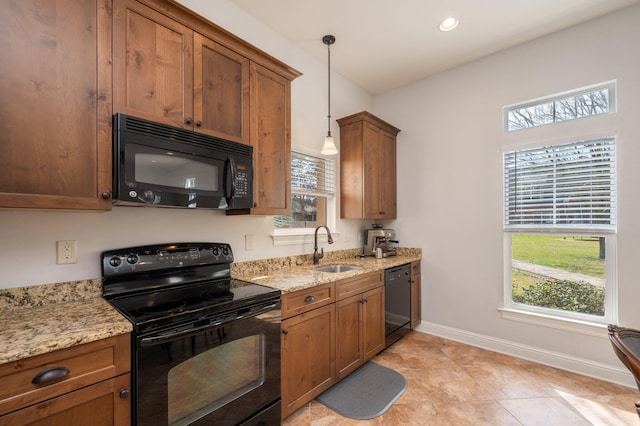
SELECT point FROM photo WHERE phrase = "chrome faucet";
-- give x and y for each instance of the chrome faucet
(319, 255)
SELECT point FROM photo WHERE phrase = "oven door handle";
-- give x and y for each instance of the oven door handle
(240, 314)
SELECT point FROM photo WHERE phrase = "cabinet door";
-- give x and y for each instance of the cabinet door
(348, 335)
(308, 351)
(372, 323)
(153, 65)
(105, 403)
(221, 91)
(55, 101)
(387, 166)
(373, 172)
(270, 124)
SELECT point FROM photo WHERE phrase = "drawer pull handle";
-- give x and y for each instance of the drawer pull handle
(285, 331)
(50, 375)
(124, 393)
(310, 298)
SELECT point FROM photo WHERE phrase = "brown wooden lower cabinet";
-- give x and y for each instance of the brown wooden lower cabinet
(104, 403)
(308, 366)
(359, 330)
(87, 384)
(328, 332)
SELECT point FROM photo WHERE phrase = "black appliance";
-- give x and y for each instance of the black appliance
(159, 165)
(397, 303)
(205, 347)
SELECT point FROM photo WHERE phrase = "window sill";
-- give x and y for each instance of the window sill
(299, 238)
(565, 324)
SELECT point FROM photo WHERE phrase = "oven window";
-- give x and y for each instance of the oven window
(208, 381)
(166, 169)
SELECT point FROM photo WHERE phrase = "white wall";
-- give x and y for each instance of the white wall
(450, 176)
(28, 238)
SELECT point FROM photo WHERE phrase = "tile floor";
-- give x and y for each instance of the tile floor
(454, 384)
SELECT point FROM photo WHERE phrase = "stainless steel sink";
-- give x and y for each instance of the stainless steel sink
(336, 268)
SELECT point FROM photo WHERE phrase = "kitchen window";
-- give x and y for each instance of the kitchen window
(580, 103)
(560, 230)
(312, 199)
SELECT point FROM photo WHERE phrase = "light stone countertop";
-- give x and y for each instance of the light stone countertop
(40, 319)
(300, 277)
(38, 330)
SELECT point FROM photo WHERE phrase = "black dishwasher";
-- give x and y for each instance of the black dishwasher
(397, 303)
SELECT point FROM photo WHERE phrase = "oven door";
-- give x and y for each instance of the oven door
(214, 374)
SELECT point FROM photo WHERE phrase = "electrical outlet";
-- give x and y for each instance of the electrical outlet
(66, 252)
(249, 242)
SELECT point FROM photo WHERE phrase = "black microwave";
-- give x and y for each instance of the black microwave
(159, 165)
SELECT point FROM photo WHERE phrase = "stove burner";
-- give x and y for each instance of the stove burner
(162, 307)
(217, 295)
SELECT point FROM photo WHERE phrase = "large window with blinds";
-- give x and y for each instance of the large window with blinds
(560, 229)
(312, 193)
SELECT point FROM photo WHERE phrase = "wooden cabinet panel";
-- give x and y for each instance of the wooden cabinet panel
(367, 167)
(372, 323)
(87, 364)
(105, 403)
(271, 140)
(221, 91)
(387, 170)
(55, 100)
(302, 301)
(359, 330)
(348, 336)
(356, 285)
(308, 350)
(94, 389)
(153, 65)
(416, 291)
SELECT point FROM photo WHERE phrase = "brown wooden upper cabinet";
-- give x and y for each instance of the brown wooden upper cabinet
(165, 71)
(55, 104)
(367, 167)
(175, 67)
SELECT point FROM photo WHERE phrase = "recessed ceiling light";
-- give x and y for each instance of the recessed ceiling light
(448, 24)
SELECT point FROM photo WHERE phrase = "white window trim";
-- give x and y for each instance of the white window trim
(298, 236)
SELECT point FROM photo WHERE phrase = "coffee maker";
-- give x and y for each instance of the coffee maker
(378, 238)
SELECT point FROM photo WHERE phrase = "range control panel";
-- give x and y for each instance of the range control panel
(164, 256)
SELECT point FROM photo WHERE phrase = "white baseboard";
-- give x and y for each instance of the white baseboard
(609, 373)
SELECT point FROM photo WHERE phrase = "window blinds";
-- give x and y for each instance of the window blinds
(564, 186)
(311, 174)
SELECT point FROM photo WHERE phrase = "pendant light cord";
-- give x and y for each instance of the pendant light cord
(329, 89)
(328, 40)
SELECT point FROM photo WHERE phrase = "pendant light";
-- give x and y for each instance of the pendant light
(329, 147)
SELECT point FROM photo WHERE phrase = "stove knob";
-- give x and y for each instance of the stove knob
(115, 261)
(216, 251)
(225, 251)
(132, 258)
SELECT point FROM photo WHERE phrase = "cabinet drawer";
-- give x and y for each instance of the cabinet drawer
(352, 286)
(86, 364)
(415, 267)
(305, 300)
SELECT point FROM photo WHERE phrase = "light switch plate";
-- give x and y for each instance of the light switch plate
(249, 243)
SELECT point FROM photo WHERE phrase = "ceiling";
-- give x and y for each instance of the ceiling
(384, 44)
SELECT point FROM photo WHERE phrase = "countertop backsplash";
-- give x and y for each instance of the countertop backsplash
(41, 295)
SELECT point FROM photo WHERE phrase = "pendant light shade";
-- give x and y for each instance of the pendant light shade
(329, 147)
